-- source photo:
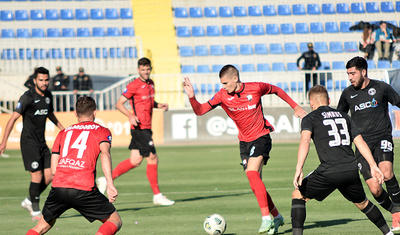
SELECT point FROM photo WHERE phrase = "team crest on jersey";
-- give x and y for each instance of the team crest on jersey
(35, 165)
(249, 97)
(371, 91)
(109, 138)
(47, 100)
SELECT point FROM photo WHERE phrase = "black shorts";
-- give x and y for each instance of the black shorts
(36, 156)
(259, 147)
(143, 141)
(381, 149)
(318, 186)
(93, 205)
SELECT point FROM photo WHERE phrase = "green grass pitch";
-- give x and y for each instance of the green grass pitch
(202, 180)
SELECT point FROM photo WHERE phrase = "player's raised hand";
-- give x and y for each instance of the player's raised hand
(299, 112)
(134, 120)
(112, 192)
(377, 174)
(298, 178)
(187, 86)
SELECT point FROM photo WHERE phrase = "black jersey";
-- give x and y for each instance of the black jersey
(34, 109)
(369, 107)
(332, 134)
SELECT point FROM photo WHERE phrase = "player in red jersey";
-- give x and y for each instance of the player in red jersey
(73, 164)
(242, 103)
(140, 93)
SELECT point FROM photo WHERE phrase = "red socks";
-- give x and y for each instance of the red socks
(153, 178)
(32, 232)
(108, 228)
(259, 191)
(122, 168)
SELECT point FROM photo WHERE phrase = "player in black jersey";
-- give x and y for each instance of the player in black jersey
(35, 106)
(332, 133)
(367, 100)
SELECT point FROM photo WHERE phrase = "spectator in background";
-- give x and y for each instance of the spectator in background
(383, 38)
(82, 82)
(311, 63)
(60, 82)
(29, 82)
(367, 45)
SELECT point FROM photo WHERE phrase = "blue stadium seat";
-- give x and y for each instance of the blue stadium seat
(304, 47)
(210, 12)
(195, 89)
(284, 10)
(113, 32)
(21, 53)
(216, 50)
(195, 12)
(53, 32)
(357, 7)
(96, 14)
(228, 30)
(342, 8)
(269, 10)
(186, 51)
(328, 8)
(242, 30)
(181, 12)
(37, 33)
(257, 29)
(302, 28)
(113, 53)
(56, 53)
(129, 52)
(225, 11)
(82, 32)
(231, 49)
(387, 7)
(248, 68)
(201, 50)
(182, 31)
(74, 55)
(272, 29)
(325, 65)
(313, 9)
(372, 7)
(98, 32)
(68, 32)
(213, 30)
(52, 14)
(239, 11)
(7, 33)
(82, 14)
(126, 13)
(246, 49)
(287, 28)
(396, 64)
(345, 26)
(21, 15)
(187, 68)
(112, 13)
(321, 47)
(383, 64)
(350, 46)
(298, 9)
(6, 15)
(203, 68)
(275, 48)
(215, 68)
(293, 86)
(291, 48)
(260, 49)
(338, 65)
(128, 31)
(316, 27)
(291, 66)
(371, 64)
(255, 11)
(278, 67)
(217, 87)
(22, 33)
(283, 85)
(329, 85)
(37, 14)
(97, 52)
(66, 14)
(398, 6)
(263, 67)
(331, 27)
(335, 47)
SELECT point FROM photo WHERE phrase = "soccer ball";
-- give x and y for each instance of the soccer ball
(214, 224)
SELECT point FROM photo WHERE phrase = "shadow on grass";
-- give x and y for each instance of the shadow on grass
(325, 223)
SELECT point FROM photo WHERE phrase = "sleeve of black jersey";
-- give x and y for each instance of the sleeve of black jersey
(306, 124)
(343, 105)
(354, 130)
(24, 102)
(392, 95)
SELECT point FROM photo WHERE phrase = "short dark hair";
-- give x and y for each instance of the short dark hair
(143, 62)
(41, 70)
(358, 62)
(228, 69)
(85, 105)
(318, 90)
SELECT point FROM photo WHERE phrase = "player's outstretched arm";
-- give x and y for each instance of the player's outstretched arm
(105, 157)
(366, 153)
(198, 109)
(298, 111)
(10, 124)
(121, 107)
(54, 120)
(302, 153)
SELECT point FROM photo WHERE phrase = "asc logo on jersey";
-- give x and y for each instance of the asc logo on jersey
(366, 105)
(41, 112)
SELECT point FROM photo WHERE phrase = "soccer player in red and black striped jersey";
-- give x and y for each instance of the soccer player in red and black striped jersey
(73, 164)
(140, 94)
(242, 103)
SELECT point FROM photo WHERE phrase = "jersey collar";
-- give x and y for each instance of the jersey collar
(240, 90)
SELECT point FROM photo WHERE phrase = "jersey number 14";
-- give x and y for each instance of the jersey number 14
(338, 133)
(80, 143)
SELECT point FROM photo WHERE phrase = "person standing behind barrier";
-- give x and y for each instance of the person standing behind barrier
(82, 82)
(311, 63)
(60, 82)
(383, 38)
